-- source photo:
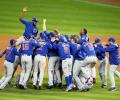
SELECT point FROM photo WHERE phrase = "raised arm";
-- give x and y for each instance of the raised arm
(23, 13)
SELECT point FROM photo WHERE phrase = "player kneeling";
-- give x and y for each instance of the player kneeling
(10, 53)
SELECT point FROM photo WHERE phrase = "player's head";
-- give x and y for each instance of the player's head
(67, 37)
(74, 39)
(111, 40)
(97, 40)
(51, 35)
(83, 32)
(12, 42)
(63, 39)
(34, 20)
(42, 35)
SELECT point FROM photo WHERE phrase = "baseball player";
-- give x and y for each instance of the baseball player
(78, 69)
(31, 28)
(53, 65)
(113, 50)
(40, 60)
(102, 61)
(90, 59)
(64, 52)
(10, 54)
(83, 34)
(26, 51)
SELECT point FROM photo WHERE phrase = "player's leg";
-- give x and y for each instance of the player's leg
(65, 69)
(10, 69)
(16, 63)
(70, 69)
(51, 64)
(35, 73)
(23, 65)
(76, 71)
(42, 66)
(28, 70)
(103, 72)
(20, 40)
(5, 73)
(57, 71)
(112, 79)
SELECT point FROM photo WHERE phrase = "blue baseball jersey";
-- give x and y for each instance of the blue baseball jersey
(30, 29)
(113, 51)
(43, 49)
(79, 55)
(73, 48)
(88, 49)
(27, 47)
(84, 37)
(63, 50)
(10, 53)
(100, 52)
(53, 52)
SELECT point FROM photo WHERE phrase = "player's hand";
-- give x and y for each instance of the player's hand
(25, 9)
(44, 20)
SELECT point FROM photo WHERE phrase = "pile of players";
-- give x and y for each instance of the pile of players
(75, 56)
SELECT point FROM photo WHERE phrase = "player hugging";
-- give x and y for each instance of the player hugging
(68, 58)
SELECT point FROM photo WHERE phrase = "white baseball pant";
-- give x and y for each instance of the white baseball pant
(113, 70)
(53, 66)
(91, 61)
(39, 64)
(8, 71)
(102, 68)
(67, 67)
(26, 63)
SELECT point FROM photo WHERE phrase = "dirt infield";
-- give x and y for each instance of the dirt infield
(109, 1)
(4, 42)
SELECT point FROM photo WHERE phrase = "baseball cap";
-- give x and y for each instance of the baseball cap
(111, 39)
(12, 41)
(35, 19)
(97, 40)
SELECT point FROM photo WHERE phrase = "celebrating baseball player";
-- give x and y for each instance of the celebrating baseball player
(31, 28)
(102, 61)
(10, 54)
(26, 51)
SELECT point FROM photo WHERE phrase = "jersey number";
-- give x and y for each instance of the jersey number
(25, 46)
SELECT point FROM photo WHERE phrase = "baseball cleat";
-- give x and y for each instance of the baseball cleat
(35, 87)
(112, 89)
(39, 87)
(50, 87)
(69, 88)
(59, 85)
(103, 86)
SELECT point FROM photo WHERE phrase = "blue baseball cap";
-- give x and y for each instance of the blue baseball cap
(42, 35)
(52, 34)
(12, 41)
(111, 40)
(35, 19)
(63, 39)
(97, 40)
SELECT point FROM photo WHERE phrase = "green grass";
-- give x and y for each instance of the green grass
(69, 16)
(96, 93)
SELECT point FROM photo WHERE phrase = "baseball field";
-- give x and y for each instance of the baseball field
(100, 17)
